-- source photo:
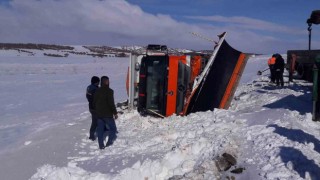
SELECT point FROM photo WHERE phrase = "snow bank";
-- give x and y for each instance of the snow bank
(50, 172)
(164, 148)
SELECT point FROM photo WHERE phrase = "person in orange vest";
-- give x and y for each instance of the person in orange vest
(271, 63)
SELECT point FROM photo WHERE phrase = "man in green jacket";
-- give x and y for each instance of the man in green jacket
(106, 112)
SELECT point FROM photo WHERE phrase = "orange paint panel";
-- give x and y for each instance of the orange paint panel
(183, 59)
(195, 66)
(233, 80)
(172, 85)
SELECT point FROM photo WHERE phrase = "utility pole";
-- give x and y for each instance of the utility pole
(309, 29)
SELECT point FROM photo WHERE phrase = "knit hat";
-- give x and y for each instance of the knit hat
(95, 80)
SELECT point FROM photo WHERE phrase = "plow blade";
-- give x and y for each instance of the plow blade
(217, 84)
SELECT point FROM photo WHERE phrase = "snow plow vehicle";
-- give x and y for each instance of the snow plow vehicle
(301, 62)
(305, 64)
(162, 84)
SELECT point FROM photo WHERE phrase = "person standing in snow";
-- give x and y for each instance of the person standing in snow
(271, 63)
(279, 69)
(106, 112)
(91, 89)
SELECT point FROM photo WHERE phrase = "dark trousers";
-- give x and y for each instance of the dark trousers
(94, 124)
(279, 78)
(272, 73)
(102, 122)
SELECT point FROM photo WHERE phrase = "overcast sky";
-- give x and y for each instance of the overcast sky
(256, 26)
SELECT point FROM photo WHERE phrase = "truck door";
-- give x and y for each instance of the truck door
(178, 80)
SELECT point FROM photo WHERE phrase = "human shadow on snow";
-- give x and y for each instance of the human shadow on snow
(293, 86)
(299, 162)
(297, 135)
(302, 103)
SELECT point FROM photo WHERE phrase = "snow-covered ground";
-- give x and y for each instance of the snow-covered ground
(44, 124)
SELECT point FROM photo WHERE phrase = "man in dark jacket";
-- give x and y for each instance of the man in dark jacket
(279, 68)
(91, 89)
(106, 112)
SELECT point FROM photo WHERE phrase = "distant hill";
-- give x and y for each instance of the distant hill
(34, 46)
(92, 50)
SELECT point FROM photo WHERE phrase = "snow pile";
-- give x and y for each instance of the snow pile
(53, 173)
(162, 148)
(281, 133)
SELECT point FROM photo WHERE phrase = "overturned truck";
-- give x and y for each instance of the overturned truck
(163, 84)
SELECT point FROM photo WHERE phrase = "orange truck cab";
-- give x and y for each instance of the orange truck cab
(164, 81)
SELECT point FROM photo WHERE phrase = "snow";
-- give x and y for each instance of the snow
(44, 122)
